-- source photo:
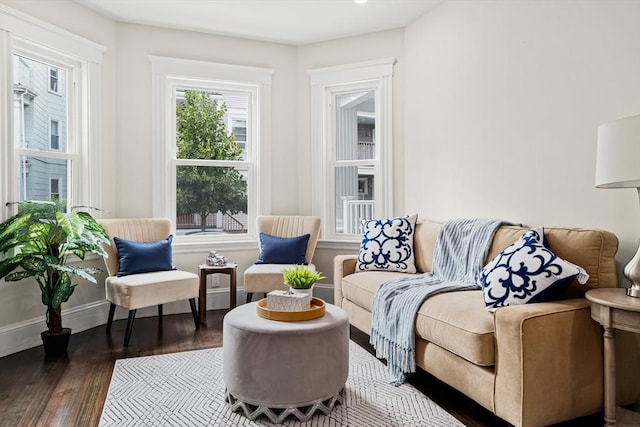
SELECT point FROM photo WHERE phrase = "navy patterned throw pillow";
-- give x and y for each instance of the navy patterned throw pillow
(527, 272)
(387, 245)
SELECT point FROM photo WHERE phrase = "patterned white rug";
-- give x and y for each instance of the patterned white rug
(186, 389)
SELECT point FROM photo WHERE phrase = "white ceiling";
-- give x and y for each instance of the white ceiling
(284, 21)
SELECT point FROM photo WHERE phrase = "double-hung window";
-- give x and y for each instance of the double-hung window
(211, 132)
(49, 87)
(351, 138)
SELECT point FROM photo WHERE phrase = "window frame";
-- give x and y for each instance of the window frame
(24, 35)
(326, 84)
(170, 74)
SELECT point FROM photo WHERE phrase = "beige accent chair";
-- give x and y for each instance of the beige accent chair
(144, 289)
(263, 278)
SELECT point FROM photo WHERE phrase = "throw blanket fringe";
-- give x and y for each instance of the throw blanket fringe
(458, 259)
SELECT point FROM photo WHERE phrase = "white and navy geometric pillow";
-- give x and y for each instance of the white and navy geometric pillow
(527, 272)
(387, 245)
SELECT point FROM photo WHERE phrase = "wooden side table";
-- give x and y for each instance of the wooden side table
(205, 270)
(613, 309)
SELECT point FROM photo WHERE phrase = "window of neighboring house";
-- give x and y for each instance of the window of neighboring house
(211, 119)
(54, 189)
(54, 135)
(51, 74)
(351, 133)
(53, 80)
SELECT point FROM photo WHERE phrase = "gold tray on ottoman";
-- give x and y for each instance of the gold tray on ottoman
(317, 310)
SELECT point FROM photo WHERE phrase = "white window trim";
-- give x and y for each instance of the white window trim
(171, 73)
(325, 82)
(44, 38)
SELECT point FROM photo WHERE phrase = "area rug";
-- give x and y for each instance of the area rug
(186, 389)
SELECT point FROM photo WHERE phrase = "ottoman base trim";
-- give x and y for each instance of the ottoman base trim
(277, 414)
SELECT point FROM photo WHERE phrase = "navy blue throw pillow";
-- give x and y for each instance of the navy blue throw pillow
(143, 257)
(282, 250)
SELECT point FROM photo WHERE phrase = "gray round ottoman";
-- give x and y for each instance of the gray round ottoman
(280, 368)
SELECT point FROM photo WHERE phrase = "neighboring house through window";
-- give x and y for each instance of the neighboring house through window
(351, 137)
(50, 149)
(211, 121)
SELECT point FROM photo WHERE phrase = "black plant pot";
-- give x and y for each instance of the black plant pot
(56, 344)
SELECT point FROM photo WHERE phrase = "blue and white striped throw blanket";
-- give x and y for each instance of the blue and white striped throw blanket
(458, 259)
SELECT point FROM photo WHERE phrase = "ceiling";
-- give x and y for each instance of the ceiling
(293, 22)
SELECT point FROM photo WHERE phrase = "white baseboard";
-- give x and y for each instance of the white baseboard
(24, 335)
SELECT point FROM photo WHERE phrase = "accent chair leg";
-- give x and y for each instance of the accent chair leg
(127, 334)
(160, 311)
(112, 310)
(249, 296)
(194, 312)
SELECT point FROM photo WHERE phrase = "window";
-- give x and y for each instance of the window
(53, 80)
(211, 124)
(54, 189)
(50, 150)
(351, 145)
(54, 135)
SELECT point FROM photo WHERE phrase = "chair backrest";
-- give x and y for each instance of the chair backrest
(136, 229)
(292, 226)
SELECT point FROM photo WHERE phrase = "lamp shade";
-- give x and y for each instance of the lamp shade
(618, 155)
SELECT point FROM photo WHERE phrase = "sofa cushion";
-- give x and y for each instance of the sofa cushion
(360, 288)
(596, 254)
(459, 322)
(387, 244)
(456, 321)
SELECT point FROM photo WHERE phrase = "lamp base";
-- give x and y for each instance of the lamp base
(633, 291)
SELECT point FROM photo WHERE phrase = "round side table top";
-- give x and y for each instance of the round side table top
(613, 297)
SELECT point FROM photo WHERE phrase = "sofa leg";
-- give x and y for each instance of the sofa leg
(249, 296)
(160, 311)
(194, 312)
(127, 334)
(112, 310)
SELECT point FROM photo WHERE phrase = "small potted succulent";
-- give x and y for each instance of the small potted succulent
(301, 279)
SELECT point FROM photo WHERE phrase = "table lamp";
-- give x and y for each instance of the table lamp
(618, 166)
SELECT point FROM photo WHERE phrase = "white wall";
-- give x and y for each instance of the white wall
(384, 44)
(20, 305)
(503, 101)
(133, 134)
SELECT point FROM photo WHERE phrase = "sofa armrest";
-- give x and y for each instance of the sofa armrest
(548, 362)
(343, 265)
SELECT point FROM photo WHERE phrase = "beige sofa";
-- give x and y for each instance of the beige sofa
(531, 365)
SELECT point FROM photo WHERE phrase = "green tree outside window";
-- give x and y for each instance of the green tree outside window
(202, 134)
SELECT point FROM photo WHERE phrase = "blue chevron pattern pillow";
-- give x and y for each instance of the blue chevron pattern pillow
(387, 245)
(527, 272)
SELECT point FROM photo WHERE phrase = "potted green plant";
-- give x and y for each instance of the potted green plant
(300, 277)
(37, 243)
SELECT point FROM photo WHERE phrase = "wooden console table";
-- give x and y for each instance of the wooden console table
(613, 309)
(205, 270)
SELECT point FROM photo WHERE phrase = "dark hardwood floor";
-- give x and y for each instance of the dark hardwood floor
(70, 390)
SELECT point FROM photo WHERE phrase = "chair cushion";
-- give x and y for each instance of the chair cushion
(282, 250)
(148, 289)
(143, 257)
(262, 278)
(456, 321)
